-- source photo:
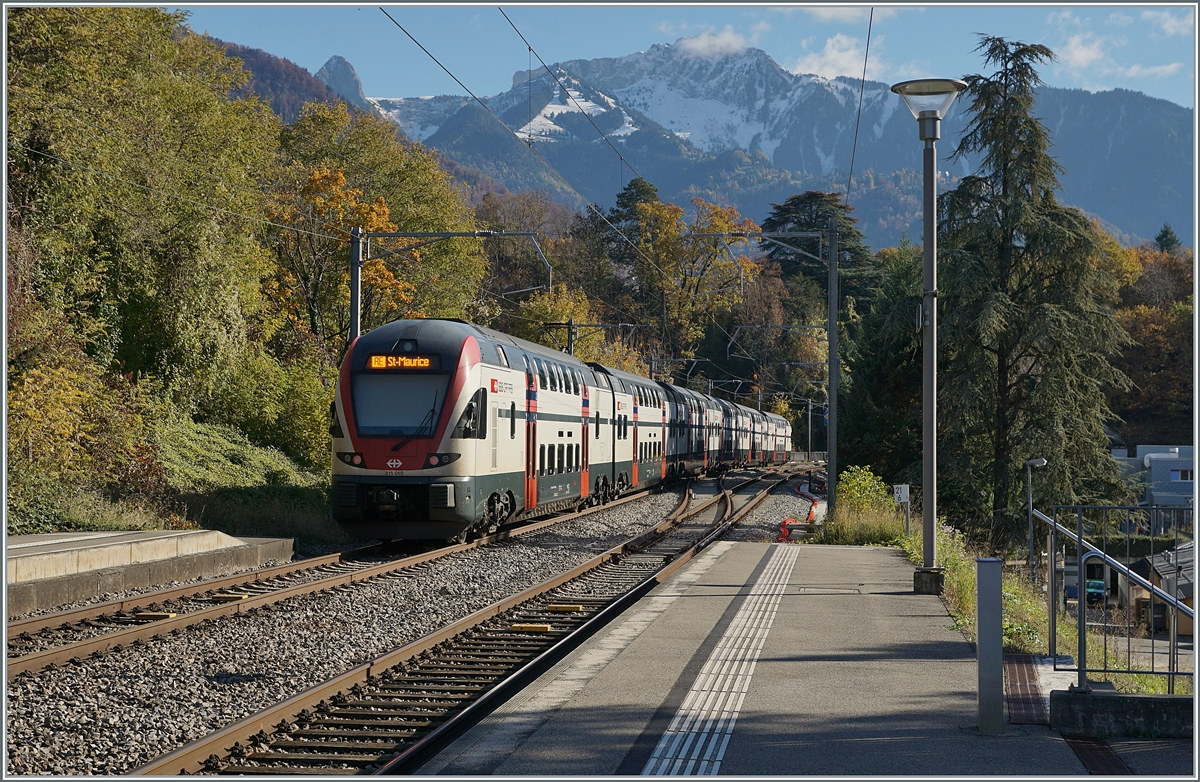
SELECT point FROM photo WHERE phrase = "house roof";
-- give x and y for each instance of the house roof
(1179, 560)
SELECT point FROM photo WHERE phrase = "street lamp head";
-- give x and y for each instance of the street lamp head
(929, 95)
(1038, 462)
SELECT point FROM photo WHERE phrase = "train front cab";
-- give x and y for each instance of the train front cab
(419, 432)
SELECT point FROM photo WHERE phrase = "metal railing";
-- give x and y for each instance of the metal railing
(1087, 551)
(809, 456)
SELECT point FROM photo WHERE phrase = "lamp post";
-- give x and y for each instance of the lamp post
(928, 100)
(1029, 465)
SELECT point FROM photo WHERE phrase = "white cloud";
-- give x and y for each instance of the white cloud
(713, 44)
(842, 56)
(848, 13)
(1119, 19)
(1151, 71)
(1081, 51)
(1169, 22)
(1063, 18)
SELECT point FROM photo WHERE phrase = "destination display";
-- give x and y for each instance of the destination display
(403, 362)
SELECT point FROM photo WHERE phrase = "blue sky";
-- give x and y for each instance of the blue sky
(1148, 48)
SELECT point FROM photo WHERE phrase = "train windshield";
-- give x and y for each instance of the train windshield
(395, 405)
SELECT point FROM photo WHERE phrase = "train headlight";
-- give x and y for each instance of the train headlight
(352, 458)
(441, 459)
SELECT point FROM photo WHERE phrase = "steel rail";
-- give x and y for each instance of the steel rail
(58, 655)
(43, 622)
(192, 755)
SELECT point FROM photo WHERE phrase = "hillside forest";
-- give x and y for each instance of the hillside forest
(177, 263)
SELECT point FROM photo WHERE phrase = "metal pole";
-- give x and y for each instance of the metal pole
(930, 127)
(1029, 497)
(989, 640)
(809, 430)
(834, 368)
(571, 350)
(356, 262)
(1052, 590)
(907, 508)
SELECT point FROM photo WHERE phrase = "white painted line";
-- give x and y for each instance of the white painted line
(518, 724)
(695, 741)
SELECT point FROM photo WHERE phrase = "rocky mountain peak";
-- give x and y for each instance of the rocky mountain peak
(339, 75)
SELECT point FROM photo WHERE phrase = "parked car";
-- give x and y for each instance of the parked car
(1096, 590)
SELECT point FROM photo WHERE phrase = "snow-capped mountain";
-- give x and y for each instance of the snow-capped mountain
(737, 126)
(717, 104)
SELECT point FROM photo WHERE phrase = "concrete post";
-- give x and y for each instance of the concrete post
(989, 644)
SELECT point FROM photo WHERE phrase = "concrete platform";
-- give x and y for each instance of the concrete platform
(761, 659)
(46, 571)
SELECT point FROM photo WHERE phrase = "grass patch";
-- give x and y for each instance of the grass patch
(859, 528)
(227, 483)
(217, 480)
(1025, 616)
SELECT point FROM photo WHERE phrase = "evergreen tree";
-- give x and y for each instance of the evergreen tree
(624, 218)
(1166, 240)
(858, 272)
(1027, 318)
(882, 420)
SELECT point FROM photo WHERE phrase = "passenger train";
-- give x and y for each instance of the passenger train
(443, 429)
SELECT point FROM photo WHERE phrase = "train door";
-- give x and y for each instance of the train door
(585, 442)
(494, 434)
(634, 469)
(531, 447)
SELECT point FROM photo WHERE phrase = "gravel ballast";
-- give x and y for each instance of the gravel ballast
(112, 714)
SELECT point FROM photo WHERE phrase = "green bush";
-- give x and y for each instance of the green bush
(281, 404)
(859, 490)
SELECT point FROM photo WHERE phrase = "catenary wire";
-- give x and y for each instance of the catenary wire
(598, 212)
(544, 162)
(858, 117)
(567, 92)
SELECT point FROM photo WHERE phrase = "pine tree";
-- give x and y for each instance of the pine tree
(810, 211)
(1166, 240)
(1027, 323)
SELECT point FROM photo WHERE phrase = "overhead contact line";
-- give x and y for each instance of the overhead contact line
(568, 94)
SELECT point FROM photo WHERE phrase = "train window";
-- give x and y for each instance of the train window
(541, 460)
(512, 421)
(574, 382)
(503, 355)
(560, 458)
(541, 368)
(577, 461)
(551, 371)
(472, 423)
(597, 424)
(601, 380)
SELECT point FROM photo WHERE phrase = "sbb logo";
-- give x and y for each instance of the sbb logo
(395, 463)
(495, 386)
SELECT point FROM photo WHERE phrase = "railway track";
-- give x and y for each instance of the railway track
(66, 637)
(390, 714)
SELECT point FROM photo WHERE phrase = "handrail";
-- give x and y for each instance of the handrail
(1119, 567)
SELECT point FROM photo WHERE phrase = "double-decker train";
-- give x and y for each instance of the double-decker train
(443, 429)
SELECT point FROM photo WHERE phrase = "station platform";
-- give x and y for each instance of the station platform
(767, 659)
(50, 570)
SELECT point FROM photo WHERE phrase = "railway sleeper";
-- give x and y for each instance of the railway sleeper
(385, 722)
(285, 757)
(381, 735)
(290, 770)
(324, 745)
